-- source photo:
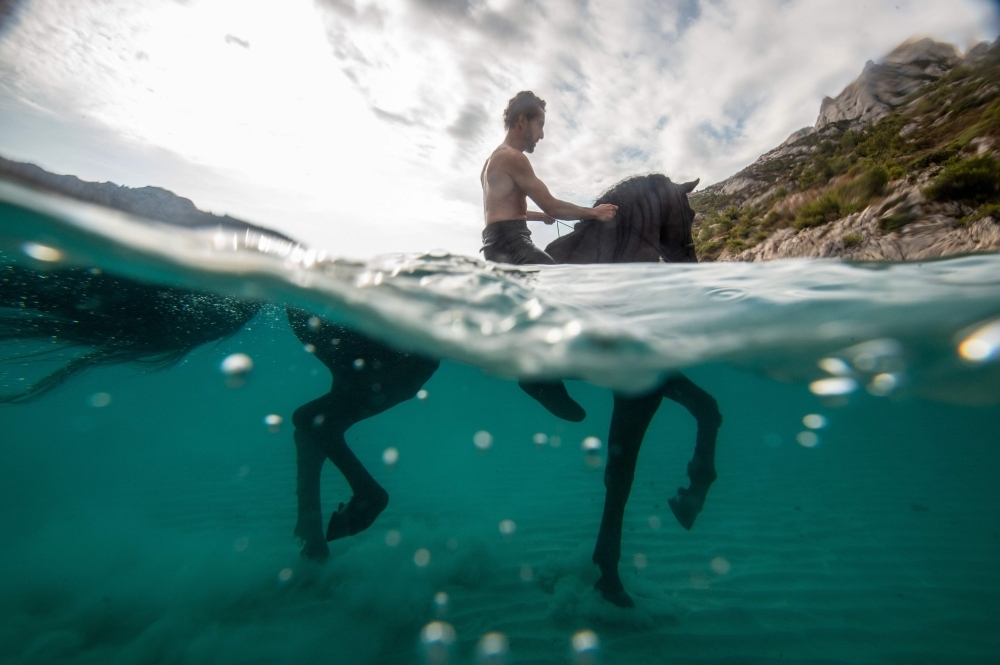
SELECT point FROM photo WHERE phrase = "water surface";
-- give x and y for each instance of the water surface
(148, 515)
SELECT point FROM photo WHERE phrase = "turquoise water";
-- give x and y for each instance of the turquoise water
(147, 516)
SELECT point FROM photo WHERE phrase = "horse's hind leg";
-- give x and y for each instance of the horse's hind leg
(701, 469)
(629, 421)
(309, 458)
(316, 423)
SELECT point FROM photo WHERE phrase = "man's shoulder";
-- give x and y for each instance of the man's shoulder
(506, 157)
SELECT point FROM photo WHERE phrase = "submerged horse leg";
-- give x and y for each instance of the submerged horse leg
(554, 397)
(629, 421)
(309, 457)
(701, 469)
(368, 378)
(319, 435)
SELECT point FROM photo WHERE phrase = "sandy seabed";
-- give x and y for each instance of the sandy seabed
(158, 528)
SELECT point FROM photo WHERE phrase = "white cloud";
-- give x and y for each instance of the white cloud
(385, 110)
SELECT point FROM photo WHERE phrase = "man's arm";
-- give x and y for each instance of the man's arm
(524, 176)
(535, 216)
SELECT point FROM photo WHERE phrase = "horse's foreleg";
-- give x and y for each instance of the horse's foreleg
(701, 469)
(309, 458)
(629, 421)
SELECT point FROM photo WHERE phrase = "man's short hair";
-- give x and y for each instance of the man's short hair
(524, 103)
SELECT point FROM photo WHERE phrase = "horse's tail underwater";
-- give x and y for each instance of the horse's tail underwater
(109, 319)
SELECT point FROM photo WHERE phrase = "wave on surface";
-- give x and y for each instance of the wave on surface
(842, 326)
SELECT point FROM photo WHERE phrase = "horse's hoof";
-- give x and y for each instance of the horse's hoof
(359, 514)
(613, 591)
(686, 506)
(553, 396)
(315, 551)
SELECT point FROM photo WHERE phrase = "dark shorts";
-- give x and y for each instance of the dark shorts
(510, 242)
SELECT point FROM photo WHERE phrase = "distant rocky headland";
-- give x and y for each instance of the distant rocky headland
(153, 203)
(902, 165)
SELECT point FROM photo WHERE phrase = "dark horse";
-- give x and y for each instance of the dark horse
(653, 226)
(120, 320)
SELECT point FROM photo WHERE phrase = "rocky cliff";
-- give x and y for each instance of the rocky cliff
(901, 165)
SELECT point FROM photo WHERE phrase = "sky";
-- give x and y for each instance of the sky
(362, 126)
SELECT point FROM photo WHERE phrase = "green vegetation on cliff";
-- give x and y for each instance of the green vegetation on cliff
(940, 140)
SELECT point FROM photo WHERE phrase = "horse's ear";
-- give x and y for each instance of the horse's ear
(688, 187)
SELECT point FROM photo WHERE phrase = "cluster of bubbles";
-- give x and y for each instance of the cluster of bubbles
(493, 648)
(542, 439)
(877, 364)
(808, 437)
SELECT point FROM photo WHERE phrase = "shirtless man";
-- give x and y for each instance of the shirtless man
(507, 180)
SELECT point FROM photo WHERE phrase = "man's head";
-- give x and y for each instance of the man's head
(524, 119)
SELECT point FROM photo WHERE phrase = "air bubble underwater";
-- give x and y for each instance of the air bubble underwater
(492, 649)
(507, 528)
(721, 566)
(585, 647)
(437, 638)
(100, 400)
(273, 422)
(441, 602)
(591, 447)
(236, 367)
(41, 252)
(982, 344)
(483, 440)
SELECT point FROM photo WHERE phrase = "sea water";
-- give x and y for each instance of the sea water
(147, 516)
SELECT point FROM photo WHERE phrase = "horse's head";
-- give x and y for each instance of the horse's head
(654, 219)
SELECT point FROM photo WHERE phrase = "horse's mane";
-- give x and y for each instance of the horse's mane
(653, 221)
(114, 319)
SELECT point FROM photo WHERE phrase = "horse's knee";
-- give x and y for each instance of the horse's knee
(710, 414)
(310, 416)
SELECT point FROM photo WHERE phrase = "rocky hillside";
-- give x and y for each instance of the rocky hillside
(153, 203)
(902, 165)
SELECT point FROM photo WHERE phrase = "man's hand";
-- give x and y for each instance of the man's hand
(605, 212)
(535, 216)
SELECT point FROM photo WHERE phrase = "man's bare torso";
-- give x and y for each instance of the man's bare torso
(502, 199)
